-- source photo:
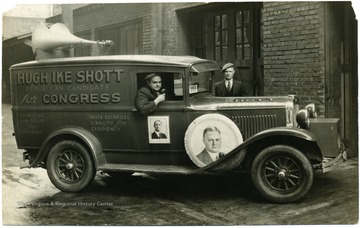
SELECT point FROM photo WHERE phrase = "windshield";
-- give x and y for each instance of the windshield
(202, 77)
(200, 82)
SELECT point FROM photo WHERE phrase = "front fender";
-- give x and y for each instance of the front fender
(73, 132)
(302, 139)
(283, 131)
(237, 155)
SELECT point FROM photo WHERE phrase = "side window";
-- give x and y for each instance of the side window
(172, 82)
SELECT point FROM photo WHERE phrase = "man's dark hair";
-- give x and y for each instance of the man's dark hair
(151, 76)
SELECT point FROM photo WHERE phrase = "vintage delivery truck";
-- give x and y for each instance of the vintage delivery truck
(76, 116)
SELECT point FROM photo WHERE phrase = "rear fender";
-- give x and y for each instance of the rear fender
(76, 133)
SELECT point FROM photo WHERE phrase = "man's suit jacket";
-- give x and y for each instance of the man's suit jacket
(144, 100)
(204, 157)
(237, 90)
(155, 136)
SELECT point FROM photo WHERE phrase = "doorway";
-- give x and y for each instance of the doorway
(341, 67)
(230, 32)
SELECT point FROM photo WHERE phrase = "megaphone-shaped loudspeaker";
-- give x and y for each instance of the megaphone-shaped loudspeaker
(58, 35)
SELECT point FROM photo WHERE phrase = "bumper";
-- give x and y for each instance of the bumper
(329, 164)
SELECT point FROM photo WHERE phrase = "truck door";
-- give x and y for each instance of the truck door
(169, 118)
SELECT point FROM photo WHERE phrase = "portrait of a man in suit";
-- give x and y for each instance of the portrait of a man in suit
(212, 142)
(157, 134)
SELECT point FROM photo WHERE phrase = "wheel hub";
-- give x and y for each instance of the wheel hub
(281, 174)
(69, 165)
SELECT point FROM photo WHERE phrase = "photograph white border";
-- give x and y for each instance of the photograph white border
(165, 129)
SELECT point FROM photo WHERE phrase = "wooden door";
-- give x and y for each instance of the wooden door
(127, 38)
(231, 33)
(132, 39)
(170, 113)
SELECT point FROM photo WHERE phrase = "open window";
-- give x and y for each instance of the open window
(172, 82)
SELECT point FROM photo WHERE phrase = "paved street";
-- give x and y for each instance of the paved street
(29, 198)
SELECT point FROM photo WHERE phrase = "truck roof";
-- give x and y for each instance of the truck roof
(180, 61)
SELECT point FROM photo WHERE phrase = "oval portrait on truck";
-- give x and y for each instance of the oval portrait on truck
(210, 137)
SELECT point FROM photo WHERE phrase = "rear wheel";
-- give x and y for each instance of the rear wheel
(282, 174)
(70, 166)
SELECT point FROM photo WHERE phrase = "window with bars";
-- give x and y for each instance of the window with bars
(243, 34)
(221, 37)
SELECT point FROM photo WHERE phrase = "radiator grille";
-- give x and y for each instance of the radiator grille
(250, 125)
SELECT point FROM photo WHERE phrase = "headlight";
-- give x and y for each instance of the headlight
(291, 108)
(302, 118)
(312, 110)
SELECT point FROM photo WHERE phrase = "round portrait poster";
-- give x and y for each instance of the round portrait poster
(209, 137)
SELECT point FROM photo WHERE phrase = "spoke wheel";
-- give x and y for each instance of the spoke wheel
(282, 174)
(70, 166)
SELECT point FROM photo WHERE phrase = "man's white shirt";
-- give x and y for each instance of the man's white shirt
(214, 156)
(227, 83)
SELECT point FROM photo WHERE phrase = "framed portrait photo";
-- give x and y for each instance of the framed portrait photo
(158, 129)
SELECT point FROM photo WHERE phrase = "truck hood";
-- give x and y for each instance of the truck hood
(207, 101)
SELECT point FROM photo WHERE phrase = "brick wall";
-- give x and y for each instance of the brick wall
(171, 27)
(159, 36)
(147, 32)
(294, 61)
(171, 30)
(162, 29)
(107, 15)
(161, 26)
(103, 15)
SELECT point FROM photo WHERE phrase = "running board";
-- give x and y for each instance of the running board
(165, 169)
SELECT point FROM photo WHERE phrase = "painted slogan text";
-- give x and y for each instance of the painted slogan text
(70, 87)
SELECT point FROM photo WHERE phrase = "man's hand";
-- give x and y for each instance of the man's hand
(160, 98)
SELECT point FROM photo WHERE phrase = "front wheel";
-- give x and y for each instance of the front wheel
(282, 174)
(70, 166)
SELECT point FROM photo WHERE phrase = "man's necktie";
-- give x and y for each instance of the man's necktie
(228, 86)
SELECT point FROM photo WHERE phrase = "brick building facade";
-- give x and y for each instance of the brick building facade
(294, 50)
